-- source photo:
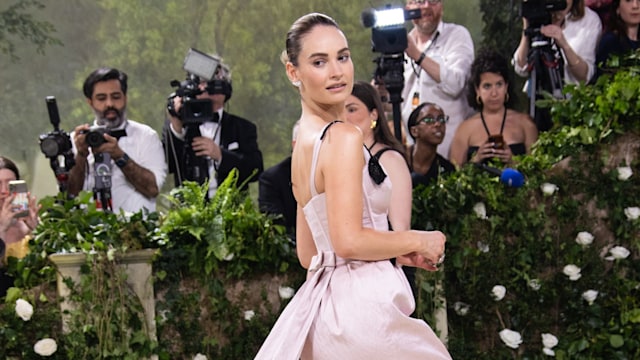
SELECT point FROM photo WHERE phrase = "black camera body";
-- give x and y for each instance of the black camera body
(538, 12)
(94, 137)
(193, 110)
(55, 143)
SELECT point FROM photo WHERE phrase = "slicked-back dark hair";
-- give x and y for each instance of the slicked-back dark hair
(302, 27)
(104, 74)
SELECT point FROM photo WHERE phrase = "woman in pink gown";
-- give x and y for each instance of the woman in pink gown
(355, 303)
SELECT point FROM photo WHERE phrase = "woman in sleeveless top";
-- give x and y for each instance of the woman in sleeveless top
(496, 131)
(355, 302)
(427, 126)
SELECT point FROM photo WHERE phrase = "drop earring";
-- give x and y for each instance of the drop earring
(296, 83)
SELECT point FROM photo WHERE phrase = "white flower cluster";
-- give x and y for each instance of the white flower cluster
(24, 310)
(572, 271)
(618, 253)
(548, 189)
(480, 210)
(584, 238)
(549, 341)
(624, 173)
(200, 357)
(45, 347)
(498, 292)
(590, 296)
(511, 338)
(632, 213)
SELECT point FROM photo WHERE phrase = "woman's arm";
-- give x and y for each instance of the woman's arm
(401, 190)
(341, 162)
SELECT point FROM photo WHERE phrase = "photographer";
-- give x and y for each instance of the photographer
(131, 151)
(575, 30)
(440, 56)
(218, 145)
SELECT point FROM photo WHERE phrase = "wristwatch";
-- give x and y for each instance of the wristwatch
(123, 161)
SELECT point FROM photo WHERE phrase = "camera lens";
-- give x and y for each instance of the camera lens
(49, 146)
(94, 138)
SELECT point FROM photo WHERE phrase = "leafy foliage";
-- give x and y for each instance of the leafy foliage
(575, 184)
(16, 21)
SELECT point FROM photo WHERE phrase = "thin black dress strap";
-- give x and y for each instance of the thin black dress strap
(327, 128)
(484, 124)
(504, 118)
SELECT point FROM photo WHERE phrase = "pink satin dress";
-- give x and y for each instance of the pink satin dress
(350, 309)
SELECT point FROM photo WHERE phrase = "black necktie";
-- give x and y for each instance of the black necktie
(216, 117)
(118, 133)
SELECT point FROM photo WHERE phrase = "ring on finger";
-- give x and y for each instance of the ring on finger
(440, 260)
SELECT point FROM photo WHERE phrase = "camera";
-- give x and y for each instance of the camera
(388, 34)
(56, 142)
(538, 12)
(199, 67)
(94, 137)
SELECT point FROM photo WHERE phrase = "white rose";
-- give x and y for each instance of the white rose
(549, 352)
(111, 254)
(584, 238)
(45, 347)
(24, 310)
(249, 314)
(285, 292)
(549, 340)
(624, 173)
(461, 308)
(534, 284)
(590, 296)
(200, 357)
(483, 247)
(480, 210)
(618, 252)
(548, 188)
(229, 257)
(632, 213)
(511, 338)
(572, 271)
(498, 292)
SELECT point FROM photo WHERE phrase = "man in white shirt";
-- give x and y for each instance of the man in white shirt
(125, 167)
(437, 69)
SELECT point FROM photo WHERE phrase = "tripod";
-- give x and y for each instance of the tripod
(390, 68)
(546, 70)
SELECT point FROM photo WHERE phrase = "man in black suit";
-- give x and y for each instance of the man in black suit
(275, 195)
(217, 145)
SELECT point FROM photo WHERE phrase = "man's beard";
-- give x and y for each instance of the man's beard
(121, 116)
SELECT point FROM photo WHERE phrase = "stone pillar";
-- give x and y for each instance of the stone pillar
(138, 268)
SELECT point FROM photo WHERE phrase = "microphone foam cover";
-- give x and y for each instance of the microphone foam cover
(512, 177)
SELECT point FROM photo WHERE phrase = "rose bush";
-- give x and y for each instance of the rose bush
(565, 246)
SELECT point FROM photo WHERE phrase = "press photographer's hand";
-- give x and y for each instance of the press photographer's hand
(204, 146)
(79, 138)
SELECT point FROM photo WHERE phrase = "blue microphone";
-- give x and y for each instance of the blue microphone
(510, 177)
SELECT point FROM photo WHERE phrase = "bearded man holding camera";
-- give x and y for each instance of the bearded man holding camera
(116, 156)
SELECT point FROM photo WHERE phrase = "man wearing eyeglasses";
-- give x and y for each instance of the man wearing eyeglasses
(439, 60)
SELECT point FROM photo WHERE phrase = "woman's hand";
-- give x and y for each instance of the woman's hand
(31, 220)
(6, 214)
(488, 151)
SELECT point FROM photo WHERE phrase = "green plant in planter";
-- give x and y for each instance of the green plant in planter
(549, 269)
(227, 227)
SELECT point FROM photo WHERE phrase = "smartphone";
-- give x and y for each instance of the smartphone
(21, 199)
(497, 140)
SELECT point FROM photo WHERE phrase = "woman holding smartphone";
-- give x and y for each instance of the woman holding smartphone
(15, 229)
(495, 131)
